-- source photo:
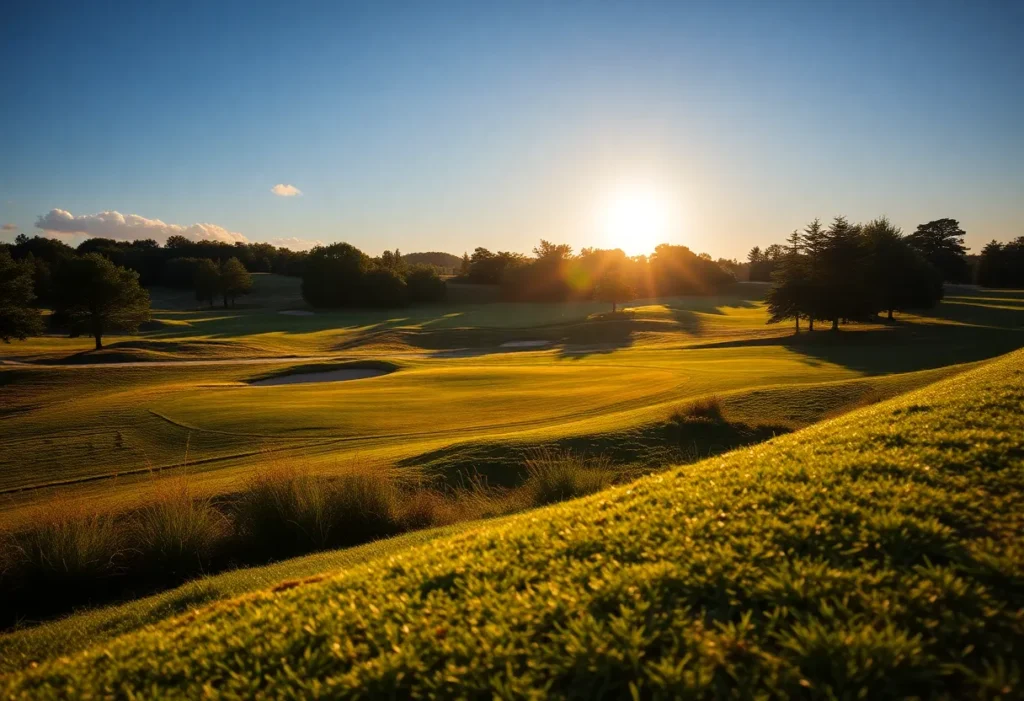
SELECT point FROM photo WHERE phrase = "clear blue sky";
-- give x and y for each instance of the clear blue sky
(444, 126)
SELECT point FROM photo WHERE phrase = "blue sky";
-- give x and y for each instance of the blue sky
(445, 126)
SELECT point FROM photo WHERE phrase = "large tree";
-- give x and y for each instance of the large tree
(613, 285)
(235, 280)
(899, 277)
(205, 279)
(93, 295)
(942, 243)
(840, 278)
(789, 298)
(18, 319)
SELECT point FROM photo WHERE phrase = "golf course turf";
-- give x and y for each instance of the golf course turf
(878, 555)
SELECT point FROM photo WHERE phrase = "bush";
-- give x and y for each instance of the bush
(557, 476)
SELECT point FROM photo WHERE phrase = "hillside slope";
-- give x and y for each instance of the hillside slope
(881, 552)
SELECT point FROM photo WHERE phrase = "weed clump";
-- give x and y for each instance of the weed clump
(705, 409)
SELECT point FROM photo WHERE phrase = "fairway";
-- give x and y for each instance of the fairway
(94, 432)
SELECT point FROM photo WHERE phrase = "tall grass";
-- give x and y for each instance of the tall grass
(706, 409)
(177, 531)
(289, 509)
(67, 543)
(554, 475)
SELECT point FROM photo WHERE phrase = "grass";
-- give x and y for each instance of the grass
(874, 555)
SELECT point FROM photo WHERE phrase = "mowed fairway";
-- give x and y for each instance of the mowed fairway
(96, 432)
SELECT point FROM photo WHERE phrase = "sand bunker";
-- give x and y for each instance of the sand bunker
(525, 344)
(296, 312)
(342, 375)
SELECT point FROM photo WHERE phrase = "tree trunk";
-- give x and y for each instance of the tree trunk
(225, 301)
(890, 315)
(798, 323)
(810, 323)
(835, 324)
(99, 341)
(614, 306)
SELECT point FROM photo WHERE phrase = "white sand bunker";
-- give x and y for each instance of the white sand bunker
(342, 375)
(296, 312)
(525, 344)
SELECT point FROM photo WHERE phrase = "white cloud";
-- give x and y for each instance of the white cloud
(129, 227)
(295, 244)
(9, 227)
(282, 190)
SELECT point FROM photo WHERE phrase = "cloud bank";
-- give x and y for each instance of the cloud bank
(129, 227)
(9, 227)
(282, 190)
(295, 244)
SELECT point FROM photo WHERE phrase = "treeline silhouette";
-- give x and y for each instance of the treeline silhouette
(340, 275)
(849, 272)
(1002, 264)
(556, 274)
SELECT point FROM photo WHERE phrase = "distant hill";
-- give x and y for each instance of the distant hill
(441, 260)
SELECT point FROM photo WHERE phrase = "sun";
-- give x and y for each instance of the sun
(635, 219)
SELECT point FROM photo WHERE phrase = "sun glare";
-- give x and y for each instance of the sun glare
(635, 219)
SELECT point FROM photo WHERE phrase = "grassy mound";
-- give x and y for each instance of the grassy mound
(879, 554)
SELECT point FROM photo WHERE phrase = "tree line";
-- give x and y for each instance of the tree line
(850, 272)
(941, 243)
(340, 275)
(556, 274)
(1002, 264)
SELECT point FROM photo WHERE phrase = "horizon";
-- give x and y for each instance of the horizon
(443, 128)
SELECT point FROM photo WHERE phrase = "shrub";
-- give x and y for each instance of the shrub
(557, 476)
(176, 530)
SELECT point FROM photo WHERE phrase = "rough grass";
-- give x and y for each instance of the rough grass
(178, 531)
(877, 555)
(554, 476)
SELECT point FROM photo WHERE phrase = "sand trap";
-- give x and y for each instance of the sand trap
(525, 344)
(296, 312)
(328, 376)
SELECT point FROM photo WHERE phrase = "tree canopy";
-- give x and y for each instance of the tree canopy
(18, 319)
(94, 296)
(941, 242)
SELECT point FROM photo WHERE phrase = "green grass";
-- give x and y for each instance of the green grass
(22, 648)
(878, 555)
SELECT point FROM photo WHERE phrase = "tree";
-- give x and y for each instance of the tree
(942, 243)
(1002, 265)
(206, 280)
(333, 275)
(464, 267)
(788, 296)
(234, 280)
(613, 286)
(94, 295)
(839, 281)
(424, 285)
(18, 319)
(899, 277)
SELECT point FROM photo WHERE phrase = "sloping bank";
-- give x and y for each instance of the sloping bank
(882, 551)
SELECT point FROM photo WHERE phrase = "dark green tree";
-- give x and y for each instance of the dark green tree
(899, 277)
(941, 242)
(839, 280)
(235, 280)
(93, 295)
(18, 318)
(613, 285)
(333, 275)
(788, 297)
(205, 279)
